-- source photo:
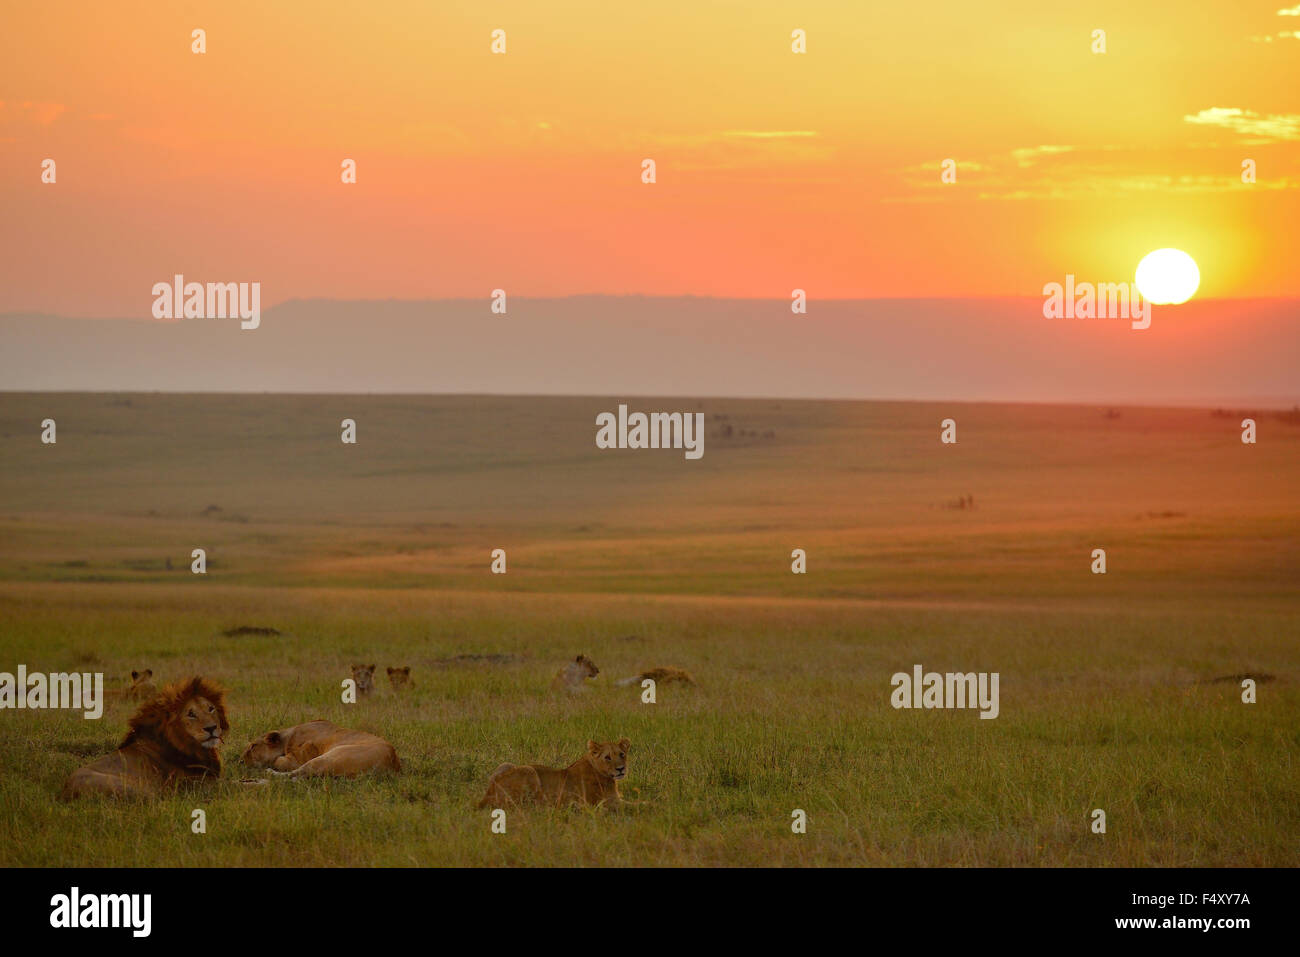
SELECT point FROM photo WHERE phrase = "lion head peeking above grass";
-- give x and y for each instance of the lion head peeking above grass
(175, 735)
(142, 687)
(572, 676)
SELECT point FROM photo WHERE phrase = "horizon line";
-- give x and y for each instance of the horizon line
(1201, 404)
(37, 314)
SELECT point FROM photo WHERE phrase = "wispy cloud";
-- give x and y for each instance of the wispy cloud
(1274, 126)
(1285, 34)
(769, 134)
(936, 166)
(769, 153)
(1107, 183)
(42, 114)
(1071, 172)
(1029, 155)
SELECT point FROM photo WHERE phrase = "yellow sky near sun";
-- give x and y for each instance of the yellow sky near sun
(522, 171)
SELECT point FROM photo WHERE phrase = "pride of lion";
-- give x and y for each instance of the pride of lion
(176, 735)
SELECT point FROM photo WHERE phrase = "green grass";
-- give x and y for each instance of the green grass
(380, 552)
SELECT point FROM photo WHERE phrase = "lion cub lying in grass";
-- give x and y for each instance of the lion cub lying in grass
(592, 779)
(321, 748)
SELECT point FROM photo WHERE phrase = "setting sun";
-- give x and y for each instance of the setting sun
(1167, 277)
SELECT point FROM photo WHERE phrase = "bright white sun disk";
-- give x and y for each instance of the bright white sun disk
(1167, 277)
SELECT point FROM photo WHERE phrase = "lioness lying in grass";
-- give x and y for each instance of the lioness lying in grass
(321, 748)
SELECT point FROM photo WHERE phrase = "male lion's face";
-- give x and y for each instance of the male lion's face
(609, 758)
(202, 722)
(588, 666)
(263, 752)
(400, 678)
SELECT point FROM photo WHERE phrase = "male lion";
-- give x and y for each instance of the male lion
(400, 678)
(570, 678)
(592, 779)
(321, 749)
(173, 736)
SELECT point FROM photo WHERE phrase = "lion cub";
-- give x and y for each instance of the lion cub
(572, 676)
(400, 678)
(660, 676)
(591, 780)
(364, 676)
(141, 686)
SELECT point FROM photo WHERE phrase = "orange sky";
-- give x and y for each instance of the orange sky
(522, 171)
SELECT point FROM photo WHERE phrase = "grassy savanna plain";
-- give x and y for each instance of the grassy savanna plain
(380, 552)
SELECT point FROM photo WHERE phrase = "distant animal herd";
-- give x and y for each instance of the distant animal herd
(176, 735)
